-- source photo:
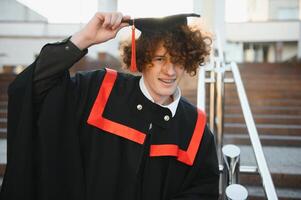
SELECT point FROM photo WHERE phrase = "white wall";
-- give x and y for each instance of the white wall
(20, 51)
(12, 10)
(107, 6)
(234, 52)
(283, 9)
(299, 9)
(19, 42)
(258, 10)
(263, 31)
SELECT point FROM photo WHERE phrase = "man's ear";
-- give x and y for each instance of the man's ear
(145, 67)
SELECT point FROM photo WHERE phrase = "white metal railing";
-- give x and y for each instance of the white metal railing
(265, 175)
(216, 70)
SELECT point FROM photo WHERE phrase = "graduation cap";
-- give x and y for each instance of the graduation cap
(155, 25)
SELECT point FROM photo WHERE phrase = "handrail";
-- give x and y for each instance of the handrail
(201, 95)
(263, 170)
(214, 68)
(267, 181)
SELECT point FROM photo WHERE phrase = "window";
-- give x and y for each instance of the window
(287, 13)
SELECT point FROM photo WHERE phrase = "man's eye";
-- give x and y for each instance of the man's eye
(159, 59)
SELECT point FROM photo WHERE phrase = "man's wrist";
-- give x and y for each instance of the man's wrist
(80, 41)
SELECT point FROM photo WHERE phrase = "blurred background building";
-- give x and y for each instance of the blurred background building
(262, 36)
(251, 30)
(270, 32)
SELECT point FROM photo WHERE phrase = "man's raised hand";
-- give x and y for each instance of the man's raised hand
(102, 27)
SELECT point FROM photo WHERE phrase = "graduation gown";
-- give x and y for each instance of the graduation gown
(96, 136)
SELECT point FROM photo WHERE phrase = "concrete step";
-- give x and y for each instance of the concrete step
(266, 110)
(253, 87)
(269, 95)
(273, 78)
(3, 147)
(3, 133)
(261, 86)
(268, 84)
(2, 169)
(266, 140)
(254, 67)
(3, 159)
(3, 113)
(4, 77)
(3, 90)
(1, 180)
(267, 129)
(265, 102)
(272, 71)
(279, 180)
(257, 193)
(265, 119)
(264, 70)
(3, 97)
(265, 77)
(3, 104)
(272, 74)
(3, 122)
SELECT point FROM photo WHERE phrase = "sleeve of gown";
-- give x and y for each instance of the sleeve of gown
(204, 182)
(39, 147)
(52, 63)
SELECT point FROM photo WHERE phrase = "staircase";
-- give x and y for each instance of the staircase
(274, 94)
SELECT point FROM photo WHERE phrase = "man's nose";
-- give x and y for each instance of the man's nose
(169, 68)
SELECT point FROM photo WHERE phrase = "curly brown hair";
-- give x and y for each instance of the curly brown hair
(186, 46)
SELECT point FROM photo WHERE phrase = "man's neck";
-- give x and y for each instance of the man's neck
(163, 101)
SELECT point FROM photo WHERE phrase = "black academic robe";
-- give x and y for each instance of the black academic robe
(96, 136)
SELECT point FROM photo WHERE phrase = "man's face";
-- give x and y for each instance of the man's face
(163, 77)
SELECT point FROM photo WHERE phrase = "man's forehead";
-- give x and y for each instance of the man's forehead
(161, 50)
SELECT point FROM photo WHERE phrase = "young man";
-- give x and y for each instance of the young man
(109, 135)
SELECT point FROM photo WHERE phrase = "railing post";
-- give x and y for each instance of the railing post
(231, 163)
(219, 107)
(236, 192)
(212, 101)
(201, 92)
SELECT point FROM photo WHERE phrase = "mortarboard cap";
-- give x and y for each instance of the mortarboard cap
(153, 25)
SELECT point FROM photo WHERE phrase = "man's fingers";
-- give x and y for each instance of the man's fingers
(112, 20)
(100, 16)
(125, 18)
(107, 20)
(117, 20)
